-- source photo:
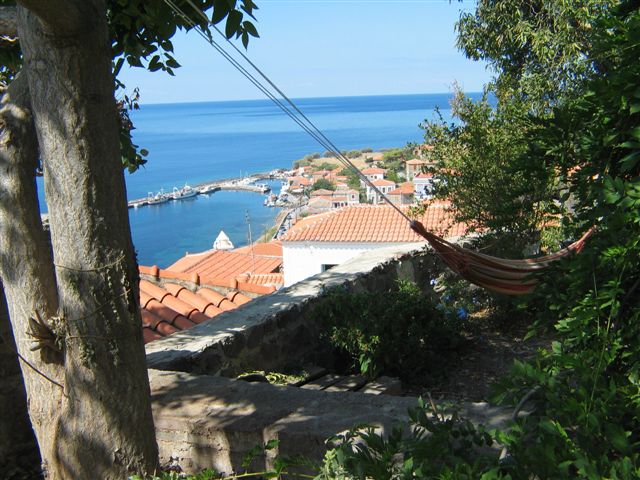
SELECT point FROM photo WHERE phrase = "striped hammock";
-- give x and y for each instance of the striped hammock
(510, 277)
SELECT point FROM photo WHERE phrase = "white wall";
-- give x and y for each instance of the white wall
(303, 259)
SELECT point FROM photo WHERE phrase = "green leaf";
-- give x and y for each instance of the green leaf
(271, 444)
(250, 29)
(220, 11)
(134, 61)
(233, 23)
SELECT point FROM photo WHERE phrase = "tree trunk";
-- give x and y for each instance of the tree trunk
(18, 448)
(106, 428)
(26, 265)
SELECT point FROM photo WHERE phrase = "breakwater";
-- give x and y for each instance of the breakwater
(238, 183)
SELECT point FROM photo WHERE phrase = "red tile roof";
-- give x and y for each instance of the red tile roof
(372, 223)
(226, 264)
(269, 249)
(382, 183)
(405, 188)
(373, 171)
(415, 161)
(321, 191)
(424, 175)
(170, 307)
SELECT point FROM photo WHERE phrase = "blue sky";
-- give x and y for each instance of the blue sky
(320, 48)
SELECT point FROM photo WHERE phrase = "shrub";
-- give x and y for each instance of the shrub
(429, 446)
(399, 332)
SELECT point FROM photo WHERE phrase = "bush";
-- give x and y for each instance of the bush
(429, 446)
(398, 333)
(323, 184)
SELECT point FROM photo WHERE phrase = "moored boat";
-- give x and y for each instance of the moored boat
(184, 192)
(159, 197)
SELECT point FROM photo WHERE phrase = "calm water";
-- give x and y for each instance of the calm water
(195, 142)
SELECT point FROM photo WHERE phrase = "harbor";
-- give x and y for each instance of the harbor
(240, 184)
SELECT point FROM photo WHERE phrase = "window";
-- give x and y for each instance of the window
(326, 266)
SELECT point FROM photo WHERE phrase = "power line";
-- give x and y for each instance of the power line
(294, 112)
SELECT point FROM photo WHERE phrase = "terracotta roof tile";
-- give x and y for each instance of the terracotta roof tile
(321, 191)
(149, 335)
(268, 249)
(372, 223)
(172, 307)
(373, 171)
(238, 298)
(382, 183)
(405, 188)
(214, 297)
(153, 290)
(227, 264)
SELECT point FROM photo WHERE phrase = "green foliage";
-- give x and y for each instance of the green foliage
(588, 389)
(325, 166)
(141, 33)
(323, 184)
(353, 181)
(393, 176)
(394, 162)
(132, 156)
(434, 444)
(485, 170)
(396, 154)
(399, 332)
(537, 48)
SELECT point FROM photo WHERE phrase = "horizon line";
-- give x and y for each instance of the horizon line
(304, 98)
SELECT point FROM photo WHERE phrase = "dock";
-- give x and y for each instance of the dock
(240, 183)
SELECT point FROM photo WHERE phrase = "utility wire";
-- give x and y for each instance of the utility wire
(296, 115)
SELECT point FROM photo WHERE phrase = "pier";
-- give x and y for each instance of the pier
(240, 183)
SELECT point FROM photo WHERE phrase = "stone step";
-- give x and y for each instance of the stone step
(383, 385)
(322, 382)
(349, 383)
(312, 373)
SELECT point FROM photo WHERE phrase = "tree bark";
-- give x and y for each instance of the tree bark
(18, 448)
(26, 264)
(106, 428)
(8, 22)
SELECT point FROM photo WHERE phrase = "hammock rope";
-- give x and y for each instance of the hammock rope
(510, 277)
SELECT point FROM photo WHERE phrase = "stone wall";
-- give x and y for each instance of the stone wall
(213, 422)
(275, 331)
(18, 450)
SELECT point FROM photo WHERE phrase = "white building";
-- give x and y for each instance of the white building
(385, 186)
(423, 185)
(319, 242)
(223, 242)
(372, 173)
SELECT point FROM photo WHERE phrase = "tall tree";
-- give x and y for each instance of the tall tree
(73, 303)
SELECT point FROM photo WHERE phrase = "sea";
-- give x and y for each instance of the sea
(196, 142)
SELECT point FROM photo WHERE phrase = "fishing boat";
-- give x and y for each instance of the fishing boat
(159, 197)
(270, 200)
(184, 192)
(264, 188)
(208, 188)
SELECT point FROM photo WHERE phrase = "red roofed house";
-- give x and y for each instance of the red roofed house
(373, 173)
(403, 195)
(384, 186)
(413, 167)
(199, 287)
(319, 242)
